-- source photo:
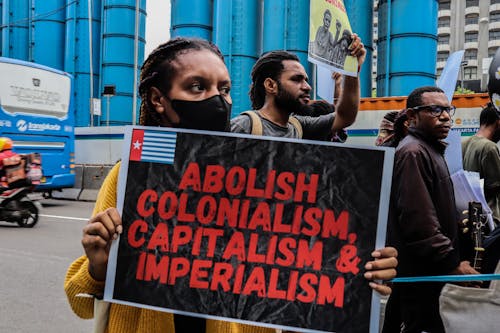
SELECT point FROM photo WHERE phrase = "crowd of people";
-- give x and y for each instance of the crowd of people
(184, 83)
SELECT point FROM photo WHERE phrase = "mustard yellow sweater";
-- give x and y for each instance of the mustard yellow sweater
(123, 318)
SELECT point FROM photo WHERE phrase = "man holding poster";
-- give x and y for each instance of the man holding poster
(280, 93)
(326, 50)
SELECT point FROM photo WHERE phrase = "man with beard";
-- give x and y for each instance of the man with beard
(480, 154)
(280, 88)
(423, 219)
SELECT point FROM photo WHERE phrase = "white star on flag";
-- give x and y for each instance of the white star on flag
(137, 144)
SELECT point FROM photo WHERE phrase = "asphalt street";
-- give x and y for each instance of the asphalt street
(33, 263)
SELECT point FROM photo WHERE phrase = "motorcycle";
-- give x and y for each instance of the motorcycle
(21, 173)
(17, 207)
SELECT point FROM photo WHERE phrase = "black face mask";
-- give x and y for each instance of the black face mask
(210, 114)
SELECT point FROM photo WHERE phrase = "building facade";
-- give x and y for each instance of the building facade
(473, 26)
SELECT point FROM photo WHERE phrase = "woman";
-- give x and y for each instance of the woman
(184, 83)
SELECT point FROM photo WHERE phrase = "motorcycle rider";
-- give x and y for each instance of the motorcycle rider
(5, 152)
(15, 206)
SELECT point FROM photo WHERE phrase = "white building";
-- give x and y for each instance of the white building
(473, 26)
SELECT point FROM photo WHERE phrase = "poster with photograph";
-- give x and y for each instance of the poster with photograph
(263, 231)
(330, 36)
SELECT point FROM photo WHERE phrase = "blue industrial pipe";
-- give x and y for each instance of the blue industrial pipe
(274, 21)
(69, 49)
(191, 18)
(413, 69)
(360, 14)
(49, 33)
(222, 30)
(236, 32)
(383, 59)
(118, 38)
(412, 45)
(78, 56)
(297, 30)
(388, 49)
(1, 25)
(15, 34)
(286, 27)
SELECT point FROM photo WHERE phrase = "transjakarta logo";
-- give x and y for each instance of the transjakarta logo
(24, 126)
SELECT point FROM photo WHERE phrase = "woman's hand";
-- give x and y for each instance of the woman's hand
(382, 268)
(98, 234)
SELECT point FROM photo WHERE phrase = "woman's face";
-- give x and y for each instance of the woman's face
(200, 74)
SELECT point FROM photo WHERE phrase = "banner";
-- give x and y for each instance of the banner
(330, 36)
(265, 231)
(448, 78)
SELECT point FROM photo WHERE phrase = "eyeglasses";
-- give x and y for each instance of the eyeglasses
(436, 110)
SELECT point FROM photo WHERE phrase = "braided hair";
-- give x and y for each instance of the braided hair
(269, 65)
(391, 116)
(158, 71)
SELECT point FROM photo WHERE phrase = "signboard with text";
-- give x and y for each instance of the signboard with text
(265, 231)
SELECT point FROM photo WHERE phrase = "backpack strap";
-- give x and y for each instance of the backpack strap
(256, 122)
(296, 123)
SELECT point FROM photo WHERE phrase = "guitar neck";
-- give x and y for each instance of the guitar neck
(474, 226)
(478, 249)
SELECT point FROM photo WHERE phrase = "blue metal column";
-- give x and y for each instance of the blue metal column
(286, 27)
(236, 32)
(78, 56)
(360, 14)
(412, 45)
(1, 25)
(49, 32)
(383, 47)
(191, 18)
(414, 68)
(69, 50)
(274, 20)
(15, 34)
(297, 30)
(118, 38)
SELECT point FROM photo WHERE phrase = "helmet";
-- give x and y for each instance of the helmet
(5, 143)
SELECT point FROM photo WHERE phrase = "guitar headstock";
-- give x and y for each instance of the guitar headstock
(474, 216)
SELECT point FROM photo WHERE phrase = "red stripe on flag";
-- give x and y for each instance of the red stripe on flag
(136, 145)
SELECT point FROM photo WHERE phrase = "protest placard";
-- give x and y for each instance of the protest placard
(266, 231)
(330, 36)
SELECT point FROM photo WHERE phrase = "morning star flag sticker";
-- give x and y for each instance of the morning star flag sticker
(265, 231)
(153, 146)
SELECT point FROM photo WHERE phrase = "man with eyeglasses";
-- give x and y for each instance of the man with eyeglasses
(423, 219)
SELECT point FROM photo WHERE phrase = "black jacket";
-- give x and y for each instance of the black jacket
(423, 219)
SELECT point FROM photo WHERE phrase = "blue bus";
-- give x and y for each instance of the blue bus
(36, 112)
